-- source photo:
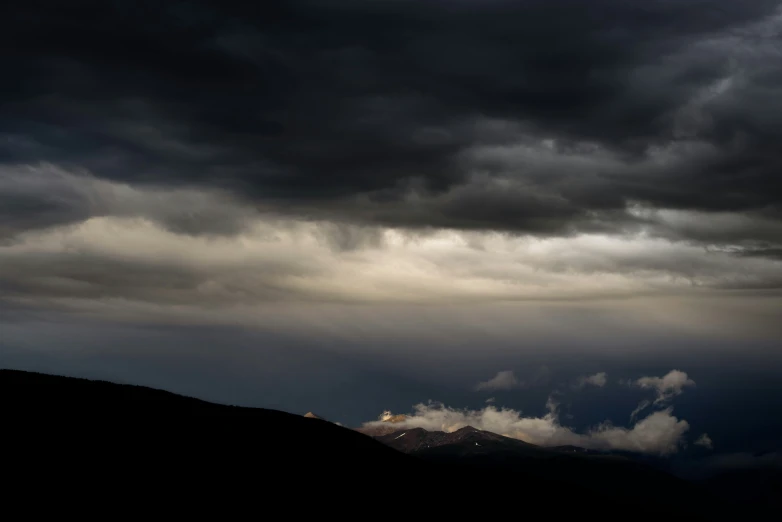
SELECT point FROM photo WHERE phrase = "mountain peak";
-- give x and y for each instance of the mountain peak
(467, 440)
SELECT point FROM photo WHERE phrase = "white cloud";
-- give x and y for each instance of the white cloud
(667, 386)
(490, 400)
(504, 380)
(660, 433)
(598, 379)
(705, 441)
(641, 406)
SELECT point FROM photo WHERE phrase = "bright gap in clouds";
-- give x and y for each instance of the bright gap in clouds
(147, 254)
(140, 245)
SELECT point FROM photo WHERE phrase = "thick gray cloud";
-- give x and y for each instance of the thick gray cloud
(44, 195)
(541, 117)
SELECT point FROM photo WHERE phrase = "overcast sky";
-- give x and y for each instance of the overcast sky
(357, 205)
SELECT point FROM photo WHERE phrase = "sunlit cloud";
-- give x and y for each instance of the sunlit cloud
(659, 433)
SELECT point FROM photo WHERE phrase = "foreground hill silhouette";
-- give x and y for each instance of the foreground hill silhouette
(81, 444)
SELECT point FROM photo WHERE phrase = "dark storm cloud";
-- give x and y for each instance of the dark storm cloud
(397, 112)
(773, 253)
(26, 205)
(41, 196)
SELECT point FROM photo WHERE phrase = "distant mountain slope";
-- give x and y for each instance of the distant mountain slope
(468, 440)
(76, 445)
(487, 451)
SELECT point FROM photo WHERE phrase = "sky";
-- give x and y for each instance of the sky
(559, 219)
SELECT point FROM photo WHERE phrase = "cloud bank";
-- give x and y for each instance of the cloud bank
(660, 433)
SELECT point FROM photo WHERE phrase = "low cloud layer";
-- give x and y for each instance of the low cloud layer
(660, 433)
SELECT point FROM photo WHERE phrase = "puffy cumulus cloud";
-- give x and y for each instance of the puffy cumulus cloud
(705, 441)
(599, 379)
(504, 380)
(660, 433)
(667, 386)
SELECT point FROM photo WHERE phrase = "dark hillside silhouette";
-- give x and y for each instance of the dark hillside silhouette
(69, 440)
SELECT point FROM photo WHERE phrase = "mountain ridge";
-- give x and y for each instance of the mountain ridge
(136, 446)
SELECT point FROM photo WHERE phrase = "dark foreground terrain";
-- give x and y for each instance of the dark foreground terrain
(493, 453)
(80, 447)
